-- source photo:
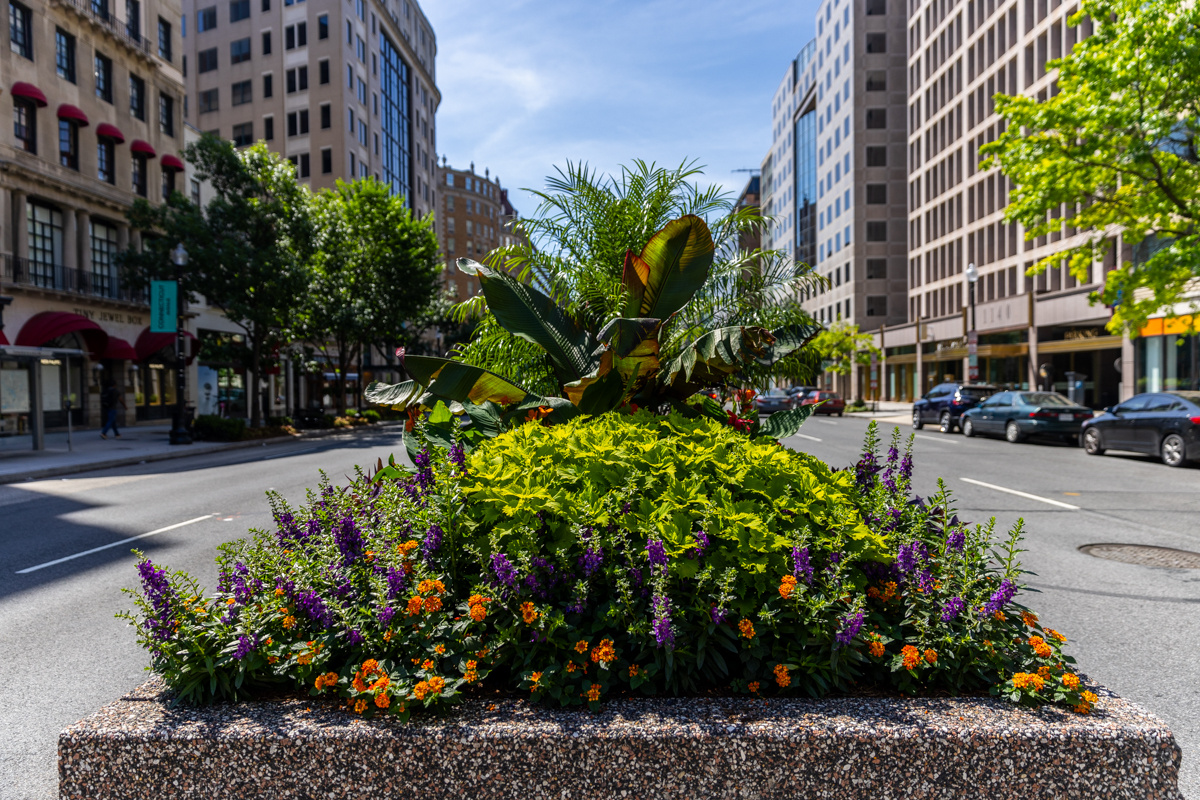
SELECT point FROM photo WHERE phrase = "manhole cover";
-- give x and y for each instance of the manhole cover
(1145, 555)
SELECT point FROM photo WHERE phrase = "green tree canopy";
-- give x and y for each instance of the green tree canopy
(1114, 149)
(841, 345)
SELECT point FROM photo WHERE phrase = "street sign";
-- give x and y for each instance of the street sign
(973, 356)
(163, 314)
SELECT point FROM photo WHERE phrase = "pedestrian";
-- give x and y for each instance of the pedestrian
(110, 398)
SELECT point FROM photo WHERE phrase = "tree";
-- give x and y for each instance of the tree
(249, 248)
(1115, 147)
(452, 331)
(841, 345)
(374, 268)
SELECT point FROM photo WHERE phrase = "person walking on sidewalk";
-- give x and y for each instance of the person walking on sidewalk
(110, 398)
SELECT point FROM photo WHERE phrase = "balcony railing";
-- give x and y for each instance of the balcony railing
(122, 31)
(56, 277)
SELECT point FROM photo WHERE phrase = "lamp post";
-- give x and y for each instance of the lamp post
(179, 431)
(972, 334)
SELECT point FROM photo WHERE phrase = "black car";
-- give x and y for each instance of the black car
(1164, 424)
(1018, 415)
(946, 402)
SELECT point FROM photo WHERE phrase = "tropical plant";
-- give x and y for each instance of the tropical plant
(602, 362)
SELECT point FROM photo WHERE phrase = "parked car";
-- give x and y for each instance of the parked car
(946, 402)
(774, 400)
(1018, 415)
(798, 393)
(829, 402)
(1165, 424)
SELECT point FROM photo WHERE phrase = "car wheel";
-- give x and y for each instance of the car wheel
(917, 424)
(1092, 444)
(1172, 450)
(968, 427)
(945, 423)
(839, 413)
(1012, 432)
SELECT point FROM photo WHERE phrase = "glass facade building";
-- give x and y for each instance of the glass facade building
(806, 189)
(395, 120)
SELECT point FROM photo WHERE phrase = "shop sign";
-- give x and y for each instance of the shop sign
(163, 316)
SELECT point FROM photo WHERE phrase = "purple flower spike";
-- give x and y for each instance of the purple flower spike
(955, 541)
(954, 606)
(433, 540)
(160, 595)
(801, 567)
(591, 560)
(1001, 597)
(348, 540)
(719, 615)
(702, 542)
(246, 645)
(458, 457)
(502, 568)
(663, 634)
(851, 625)
(656, 552)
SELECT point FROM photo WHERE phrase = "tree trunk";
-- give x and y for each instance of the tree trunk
(253, 395)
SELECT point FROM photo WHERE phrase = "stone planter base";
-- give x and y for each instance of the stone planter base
(844, 748)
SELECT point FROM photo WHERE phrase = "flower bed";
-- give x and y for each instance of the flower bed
(618, 556)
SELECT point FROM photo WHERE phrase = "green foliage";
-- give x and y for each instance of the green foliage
(841, 345)
(1114, 146)
(212, 428)
(645, 555)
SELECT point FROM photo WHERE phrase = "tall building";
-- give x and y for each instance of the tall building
(1031, 331)
(344, 90)
(476, 216)
(91, 110)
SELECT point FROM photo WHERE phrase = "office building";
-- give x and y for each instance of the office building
(477, 217)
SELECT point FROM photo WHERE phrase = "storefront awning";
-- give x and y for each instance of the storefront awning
(142, 148)
(50, 325)
(3, 338)
(171, 162)
(106, 130)
(120, 349)
(73, 113)
(29, 92)
(150, 344)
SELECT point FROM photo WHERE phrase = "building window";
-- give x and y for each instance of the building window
(104, 78)
(164, 40)
(266, 6)
(304, 165)
(323, 70)
(68, 144)
(877, 231)
(268, 85)
(395, 119)
(876, 8)
(206, 60)
(104, 249)
(297, 80)
(876, 194)
(269, 128)
(168, 183)
(362, 91)
(166, 114)
(323, 26)
(195, 191)
(25, 124)
(242, 93)
(239, 10)
(138, 178)
(876, 118)
(64, 54)
(877, 305)
(104, 160)
(239, 51)
(877, 156)
(876, 42)
(297, 123)
(137, 97)
(876, 81)
(209, 100)
(206, 19)
(20, 29)
(243, 134)
(362, 133)
(326, 161)
(45, 229)
(266, 43)
(876, 269)
(295, 36)
(361, 48)
(326, 116)
(133, 19)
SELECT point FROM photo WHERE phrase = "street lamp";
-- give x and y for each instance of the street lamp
(972, 335)
(179, 431)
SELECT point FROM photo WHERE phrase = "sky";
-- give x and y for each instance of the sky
(529, 84)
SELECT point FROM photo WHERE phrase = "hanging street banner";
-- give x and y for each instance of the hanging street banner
(163, 315)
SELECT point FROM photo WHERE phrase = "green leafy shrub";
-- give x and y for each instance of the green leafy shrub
(210, 427)
(626, 553)
(370, 415)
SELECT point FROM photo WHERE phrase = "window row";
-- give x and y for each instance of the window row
(21, 29)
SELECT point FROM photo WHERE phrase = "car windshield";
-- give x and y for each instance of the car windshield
(977, 392)
(1192, 396)
(1045, 399)
(777, 393)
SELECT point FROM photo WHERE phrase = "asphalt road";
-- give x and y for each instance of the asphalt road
(63, 654)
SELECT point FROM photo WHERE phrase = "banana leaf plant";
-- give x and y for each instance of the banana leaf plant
(619, 365)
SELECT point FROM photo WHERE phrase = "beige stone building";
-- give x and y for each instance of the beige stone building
(476, 217)
(344, 90)
(91, 97)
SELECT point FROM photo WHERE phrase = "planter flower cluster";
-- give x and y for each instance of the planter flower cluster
(623, 554)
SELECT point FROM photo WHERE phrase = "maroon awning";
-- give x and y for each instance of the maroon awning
(107, 131)
(171, 162)
(119, 348)
(142, 148)
(3, 338)
(50, 325)
(29, 92)
(151, 344)
(68, 111)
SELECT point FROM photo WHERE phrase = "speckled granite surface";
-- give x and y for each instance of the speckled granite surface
(696, 748)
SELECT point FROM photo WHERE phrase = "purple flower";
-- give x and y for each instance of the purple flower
(289, 529)
(835, 558)
(953, 607)
(910, 556)
(866, 470)
(433, 540)
(396, 582)
(502, 568)
(587, 532)
(801, 567)
(312, 528)
(161, 597)
(385, 615)
(906, 466)
(850, 626)
(1001, 597)
(892, 456)
(719, 615)
(662, 621)
(956, 540)
(591, 560)
(348, 540)
(313, 607)
(626, 508)
(702, 542)
(656, 553)
(354, 637)
(458, 457)
(245, 646)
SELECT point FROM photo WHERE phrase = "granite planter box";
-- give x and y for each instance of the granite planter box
(843, 748)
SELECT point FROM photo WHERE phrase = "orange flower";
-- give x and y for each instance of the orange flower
(1029, 618)
(1070, 681)
(787, 584)
(427, 586)
(404, 548)
(753, 686)
(634, 670)
(478, 612)
(1090, 697)
(782, 676)
(535, 681)
(475, 599)
(415, 604)
(604, 652)
(304, 658)
(594, 693)
(581, 646)
(1023, 680)
(421, 690)
(931, 655)
(876, 648)
(440, 649)
(1055, 635)
(1040, 647)
(1000, 616)
(383, 683)
(572, 666)
(370, 665)
(427, 664)
(279, 591)
(433, 604)
(387, 636)
(289, 622)
(382, 700)
(358, 684)
(1043, 672)
(436, 684)
(360, 706)
(911, 656)
(747, 628)
(1083, 708)
(528, 613)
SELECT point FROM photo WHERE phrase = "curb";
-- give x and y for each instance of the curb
(71, 469)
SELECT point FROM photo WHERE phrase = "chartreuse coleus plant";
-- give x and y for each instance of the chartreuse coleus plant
(617, 365)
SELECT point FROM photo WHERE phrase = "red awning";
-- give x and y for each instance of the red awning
(171, 162)
(119, 348)
(107, 131)
(50, 325)
(29, 92)
(142, 148)
(151, 344)
(3, 338)
(68, 111)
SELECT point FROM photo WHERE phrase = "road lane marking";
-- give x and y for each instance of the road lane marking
(112, 544)
(1026, 495)
(938, 439)
(806, 436)
(825, 421)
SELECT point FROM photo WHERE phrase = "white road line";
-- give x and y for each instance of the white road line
(806, 436)
(938, 439)
(1026, 495)
(825, 421)
(112, 544)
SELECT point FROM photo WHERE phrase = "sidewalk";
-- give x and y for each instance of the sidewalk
(136, 445)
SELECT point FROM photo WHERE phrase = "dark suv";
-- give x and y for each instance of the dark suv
(946, 402)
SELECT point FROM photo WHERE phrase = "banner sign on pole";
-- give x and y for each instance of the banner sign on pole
(163, 316)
